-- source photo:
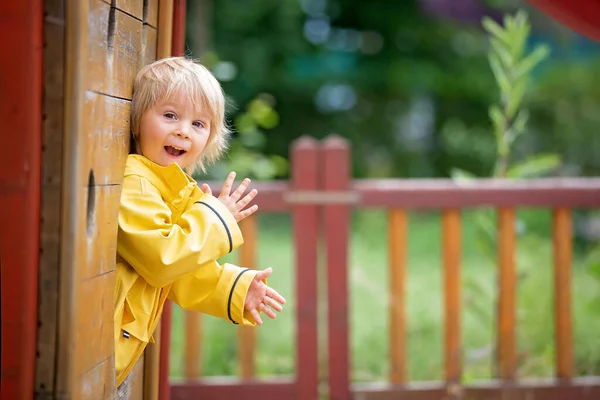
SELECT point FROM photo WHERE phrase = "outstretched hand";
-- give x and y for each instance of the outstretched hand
(260, 297)
(234, 202)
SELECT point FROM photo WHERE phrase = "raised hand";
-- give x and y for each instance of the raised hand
(234, 201)
(260, 297)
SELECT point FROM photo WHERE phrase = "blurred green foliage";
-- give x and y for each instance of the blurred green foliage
(410, 90)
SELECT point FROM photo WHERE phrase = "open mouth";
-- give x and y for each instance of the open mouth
(174, 150)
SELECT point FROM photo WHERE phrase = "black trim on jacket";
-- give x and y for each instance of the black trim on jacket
(222, 221)
(231, 294)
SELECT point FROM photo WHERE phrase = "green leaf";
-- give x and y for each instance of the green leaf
(519, 32)
(502, 51)
(494, 29)
(528, 63)
(497, 117)
(516, 96)
(499, 73)
(534, 166)
(520, 123)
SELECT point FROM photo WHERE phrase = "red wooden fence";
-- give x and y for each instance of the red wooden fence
(321, 181)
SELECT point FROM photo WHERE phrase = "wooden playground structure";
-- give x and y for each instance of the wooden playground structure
(66, 77)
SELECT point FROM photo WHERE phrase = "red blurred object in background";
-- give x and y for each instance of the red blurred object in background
(582, 16)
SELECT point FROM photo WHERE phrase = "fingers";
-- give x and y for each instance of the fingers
(256, 315)
(270, 313)
(240, 189)
(206, 189)
(246, 199)
(264, 274)
(273, 304)
(246, 213)
(275, 296)
(226, 189)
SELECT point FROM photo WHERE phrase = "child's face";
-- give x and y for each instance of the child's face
(174, 131)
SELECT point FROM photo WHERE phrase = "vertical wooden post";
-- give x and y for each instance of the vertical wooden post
(335, 156)
(163, 334)
(247, 334)
(179, 13)
(397, 248)
(451, 255)
(563, 330)
(193, 340)
(304, 161)
(507, 360)
(72, 197)
(165, 29)
(20, 108)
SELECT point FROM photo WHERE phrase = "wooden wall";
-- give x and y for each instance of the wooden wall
(93, 49)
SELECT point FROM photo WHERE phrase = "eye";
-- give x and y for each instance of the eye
(198, 124)
(169, 115)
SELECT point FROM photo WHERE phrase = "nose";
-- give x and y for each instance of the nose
(182, 132)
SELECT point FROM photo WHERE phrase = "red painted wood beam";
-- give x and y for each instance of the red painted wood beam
(581, 16)
(179, 13)
(164, 388)
(21, 115)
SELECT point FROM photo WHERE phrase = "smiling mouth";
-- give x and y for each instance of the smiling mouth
(174, 151)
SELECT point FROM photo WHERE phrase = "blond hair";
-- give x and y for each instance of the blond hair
(169, 76)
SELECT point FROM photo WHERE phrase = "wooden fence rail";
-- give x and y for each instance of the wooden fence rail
(321, 180)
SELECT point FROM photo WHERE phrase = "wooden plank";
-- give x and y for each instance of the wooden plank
(52, 142)
(152, 368)
(193, 348)
(227, 390)
(54, 10)
(149, 43)
(304, 171)
(96, 384)
(68, 384)
(106, 128)
(98, 231)
(562, 234)
(446, 193)
(115, 46)
(179, 17)
(165, 28)
(246, 334)
(151, 13)
(507, 357)
(156, 372)
(21, 69)
(48, 291)
(452, 304)
(335, 160)
(53, 103)
(537, 389)
(164, 351)
(132, 7)
(137, 382)
(94, 336)
(397, 250)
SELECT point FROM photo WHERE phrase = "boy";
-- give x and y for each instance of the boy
(170, 232)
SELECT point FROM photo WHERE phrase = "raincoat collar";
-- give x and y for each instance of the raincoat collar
(168, 180)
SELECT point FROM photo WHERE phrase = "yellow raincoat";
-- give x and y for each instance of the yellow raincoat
(170, 236)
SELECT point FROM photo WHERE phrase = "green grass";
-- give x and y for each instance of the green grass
(368, 304)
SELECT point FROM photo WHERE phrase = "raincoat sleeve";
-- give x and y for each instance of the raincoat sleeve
(216, 290)
(162, 250)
